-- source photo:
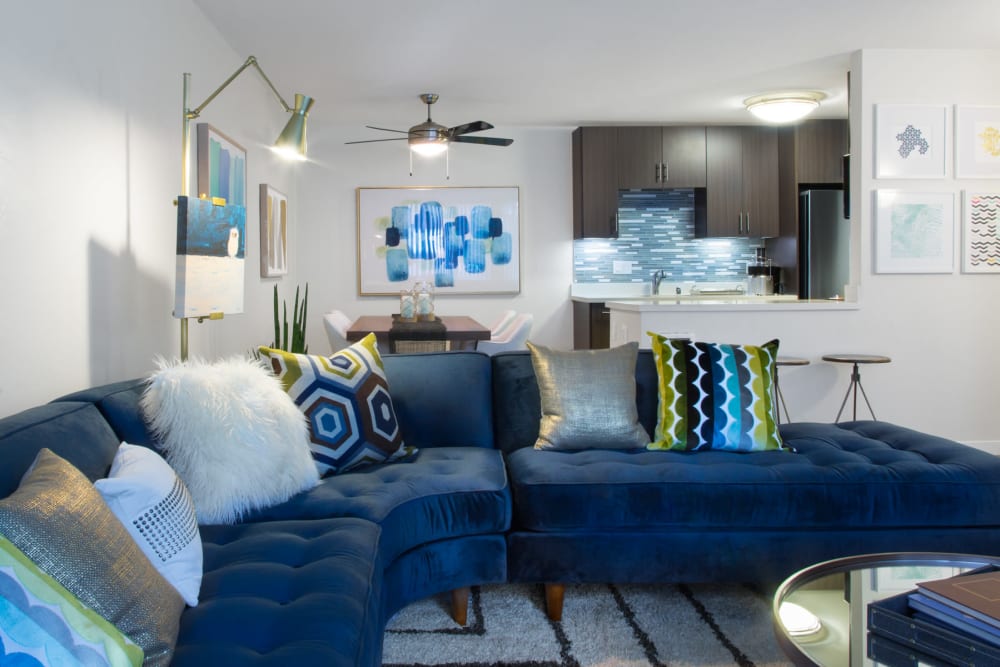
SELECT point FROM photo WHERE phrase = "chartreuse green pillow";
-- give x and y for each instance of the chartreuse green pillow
(715, 396)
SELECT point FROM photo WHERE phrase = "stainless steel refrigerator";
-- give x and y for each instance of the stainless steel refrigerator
(824, 244)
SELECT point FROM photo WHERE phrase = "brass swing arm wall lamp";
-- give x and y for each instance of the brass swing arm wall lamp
(290, 144)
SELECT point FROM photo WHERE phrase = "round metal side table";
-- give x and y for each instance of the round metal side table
(855, 385)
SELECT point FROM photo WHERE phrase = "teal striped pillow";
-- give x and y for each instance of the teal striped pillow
(714, 396)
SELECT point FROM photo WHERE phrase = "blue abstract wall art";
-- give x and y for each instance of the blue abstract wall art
(211, 250)
(462, 240)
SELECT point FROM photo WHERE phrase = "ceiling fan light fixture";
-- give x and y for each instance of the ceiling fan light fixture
(428, 147)
(784, 107)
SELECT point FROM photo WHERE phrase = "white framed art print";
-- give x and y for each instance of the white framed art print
(981, 232)
(977, 142)
(914, 232)
(910, 141)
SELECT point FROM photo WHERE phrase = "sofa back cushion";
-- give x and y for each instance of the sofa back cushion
(119, 403)
(442, 399)
(517, 404)
(75, 431)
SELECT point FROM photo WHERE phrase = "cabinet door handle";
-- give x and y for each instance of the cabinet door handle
(740, 229)
(748, 223)
(656, 173)
(664, 171)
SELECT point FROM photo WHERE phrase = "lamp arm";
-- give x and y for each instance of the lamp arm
(252, 60)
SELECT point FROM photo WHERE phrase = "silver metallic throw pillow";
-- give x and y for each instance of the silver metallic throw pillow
(588, 398)
(59, 520)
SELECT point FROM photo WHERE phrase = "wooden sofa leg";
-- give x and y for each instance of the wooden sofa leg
(554, 594)
(460, 605)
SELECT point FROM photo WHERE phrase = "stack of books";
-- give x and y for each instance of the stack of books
(955, 620)
(970, 603)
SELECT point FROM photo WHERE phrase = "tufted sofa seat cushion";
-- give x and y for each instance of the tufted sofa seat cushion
(848, 475)
(441, 493)
(286, 593)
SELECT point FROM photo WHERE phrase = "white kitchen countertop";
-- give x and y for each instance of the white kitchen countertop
(636, 297)
(745, 303)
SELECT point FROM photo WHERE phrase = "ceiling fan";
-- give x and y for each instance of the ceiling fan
(430, 138)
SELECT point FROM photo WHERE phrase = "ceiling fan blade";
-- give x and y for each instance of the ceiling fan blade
(385, 129)
(475, 126)
(489, 141)
(371, 141)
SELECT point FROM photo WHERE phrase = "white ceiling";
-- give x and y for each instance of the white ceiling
(544, 63)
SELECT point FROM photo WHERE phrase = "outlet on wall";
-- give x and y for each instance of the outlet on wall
(621, 267)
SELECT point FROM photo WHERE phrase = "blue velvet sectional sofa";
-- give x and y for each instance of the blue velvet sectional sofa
(314, 580)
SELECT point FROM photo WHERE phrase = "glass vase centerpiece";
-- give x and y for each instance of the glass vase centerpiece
(424, 297)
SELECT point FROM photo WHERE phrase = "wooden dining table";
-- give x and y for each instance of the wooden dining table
(461, 332)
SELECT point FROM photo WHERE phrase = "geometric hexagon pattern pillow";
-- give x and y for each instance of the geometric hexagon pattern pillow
(346, 400)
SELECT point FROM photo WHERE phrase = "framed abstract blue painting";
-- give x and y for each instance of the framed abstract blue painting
(463, 240)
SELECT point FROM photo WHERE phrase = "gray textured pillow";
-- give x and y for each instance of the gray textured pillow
(60, 522)
(588, 398)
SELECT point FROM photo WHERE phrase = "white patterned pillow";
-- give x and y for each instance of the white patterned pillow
(231, 433)
(152, 502)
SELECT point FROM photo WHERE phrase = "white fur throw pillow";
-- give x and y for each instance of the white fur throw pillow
(231, 433)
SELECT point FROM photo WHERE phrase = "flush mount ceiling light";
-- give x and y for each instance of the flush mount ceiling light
(783, 107)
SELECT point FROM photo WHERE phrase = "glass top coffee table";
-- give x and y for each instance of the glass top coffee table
(821, 612)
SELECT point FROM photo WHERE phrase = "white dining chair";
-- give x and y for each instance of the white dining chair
(336, 324)
(502, 322)
(513, 337)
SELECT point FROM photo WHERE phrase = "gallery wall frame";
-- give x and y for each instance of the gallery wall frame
(981, 232)
(222, 166)
(977, 141)
(911, 141)
(914, 232)
(273, 232)
(462, 240)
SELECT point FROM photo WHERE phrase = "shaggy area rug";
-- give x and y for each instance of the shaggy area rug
(602, 626)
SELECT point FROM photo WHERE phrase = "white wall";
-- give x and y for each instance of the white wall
(90, 148)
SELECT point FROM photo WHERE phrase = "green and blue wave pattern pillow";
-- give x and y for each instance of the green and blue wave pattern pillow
(41, 623)
(715, 396)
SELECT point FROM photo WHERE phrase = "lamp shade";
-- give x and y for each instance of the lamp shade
(783, 107)
(291, 143)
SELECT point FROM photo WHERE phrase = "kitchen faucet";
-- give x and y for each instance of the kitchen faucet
(658, 277)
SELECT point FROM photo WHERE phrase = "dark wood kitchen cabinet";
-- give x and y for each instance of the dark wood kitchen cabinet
(741, 181)
(595, 182)
(820, 146)
(591, 326)
(653, 158)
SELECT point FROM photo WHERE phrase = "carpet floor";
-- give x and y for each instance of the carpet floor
(603, 626)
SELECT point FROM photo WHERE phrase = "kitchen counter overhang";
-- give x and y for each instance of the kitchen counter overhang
(723, 303)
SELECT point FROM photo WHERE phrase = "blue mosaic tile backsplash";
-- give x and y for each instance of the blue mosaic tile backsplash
(656, 231)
